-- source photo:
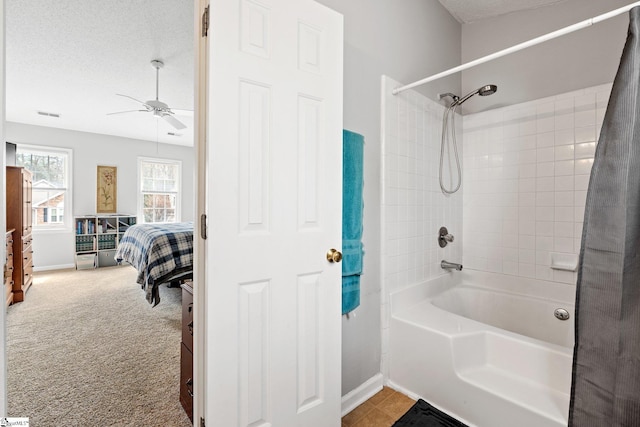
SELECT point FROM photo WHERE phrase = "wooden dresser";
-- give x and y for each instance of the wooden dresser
(19, 218)
(186, 350)
(8, 269)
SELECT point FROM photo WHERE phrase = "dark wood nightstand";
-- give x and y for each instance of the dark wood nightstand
(186, 350)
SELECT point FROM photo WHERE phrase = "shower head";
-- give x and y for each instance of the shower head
(485, 90)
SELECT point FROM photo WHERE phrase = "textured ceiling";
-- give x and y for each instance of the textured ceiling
(71, 57)
(466, 11)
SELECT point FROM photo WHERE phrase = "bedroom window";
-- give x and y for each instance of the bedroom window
(51, 192)
(159, 198)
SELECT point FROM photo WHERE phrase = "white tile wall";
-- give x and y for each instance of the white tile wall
(526, 172)
(525, 176)
(413, 206)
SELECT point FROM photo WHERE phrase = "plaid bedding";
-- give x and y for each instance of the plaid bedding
(158, 252)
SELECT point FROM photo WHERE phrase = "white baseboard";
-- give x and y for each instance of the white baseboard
(54, 267)
(355, 398)
(402, 390)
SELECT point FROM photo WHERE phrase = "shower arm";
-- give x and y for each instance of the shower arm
(467, 96)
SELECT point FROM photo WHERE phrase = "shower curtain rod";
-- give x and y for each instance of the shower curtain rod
(561, 32)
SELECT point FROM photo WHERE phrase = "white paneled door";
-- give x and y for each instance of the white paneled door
(273, 328)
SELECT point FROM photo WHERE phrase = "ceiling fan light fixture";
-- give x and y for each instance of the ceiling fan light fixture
(158, 108)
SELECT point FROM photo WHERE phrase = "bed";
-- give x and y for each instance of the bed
(161, 253)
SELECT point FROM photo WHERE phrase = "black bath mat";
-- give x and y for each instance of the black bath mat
(421, 414)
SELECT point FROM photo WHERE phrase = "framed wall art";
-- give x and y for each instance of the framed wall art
(107, 189)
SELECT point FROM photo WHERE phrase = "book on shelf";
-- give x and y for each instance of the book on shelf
(86, 243)
(85, 226)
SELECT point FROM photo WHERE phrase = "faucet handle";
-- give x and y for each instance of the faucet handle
(444, 237)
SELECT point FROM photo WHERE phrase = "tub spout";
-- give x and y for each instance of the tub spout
(450, 265)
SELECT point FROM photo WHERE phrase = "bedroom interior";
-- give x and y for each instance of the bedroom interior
(61, 94)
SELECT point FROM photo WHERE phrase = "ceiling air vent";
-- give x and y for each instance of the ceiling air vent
(44, 113)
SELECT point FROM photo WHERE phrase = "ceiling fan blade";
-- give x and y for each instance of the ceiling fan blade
(182, 112)
(128, 111)
(173, 121)
(131, 97)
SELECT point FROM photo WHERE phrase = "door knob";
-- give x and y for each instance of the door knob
(334, 255)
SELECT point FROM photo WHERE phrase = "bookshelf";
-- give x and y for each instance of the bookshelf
(97, 238)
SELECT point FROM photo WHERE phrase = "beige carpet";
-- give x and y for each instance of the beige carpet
(86, 349)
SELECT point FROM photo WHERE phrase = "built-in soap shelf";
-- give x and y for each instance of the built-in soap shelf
(563, 261)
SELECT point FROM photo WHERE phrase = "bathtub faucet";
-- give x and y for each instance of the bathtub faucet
(450, 265)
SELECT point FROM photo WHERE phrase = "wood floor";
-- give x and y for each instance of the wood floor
(381, 410)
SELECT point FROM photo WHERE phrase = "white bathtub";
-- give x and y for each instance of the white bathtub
(485, 348)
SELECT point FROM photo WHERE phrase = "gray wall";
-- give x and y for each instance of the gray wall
(407, 42)
(417, 38)
(55, 249)
(413, 39)
(585, 58)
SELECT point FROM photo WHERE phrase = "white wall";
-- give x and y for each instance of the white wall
(3, 216)
(526, 173)
(585, 58)
(56, 249)
(406, 41)
(414, 207)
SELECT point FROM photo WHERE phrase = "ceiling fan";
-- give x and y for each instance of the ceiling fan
(156, 107)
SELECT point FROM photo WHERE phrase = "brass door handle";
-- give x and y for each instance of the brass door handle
(334, 255)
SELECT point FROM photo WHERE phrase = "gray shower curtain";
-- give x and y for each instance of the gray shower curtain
(605, 390)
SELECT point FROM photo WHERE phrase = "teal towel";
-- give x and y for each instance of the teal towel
(350, 293)
(352, 208)
(351, 257)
